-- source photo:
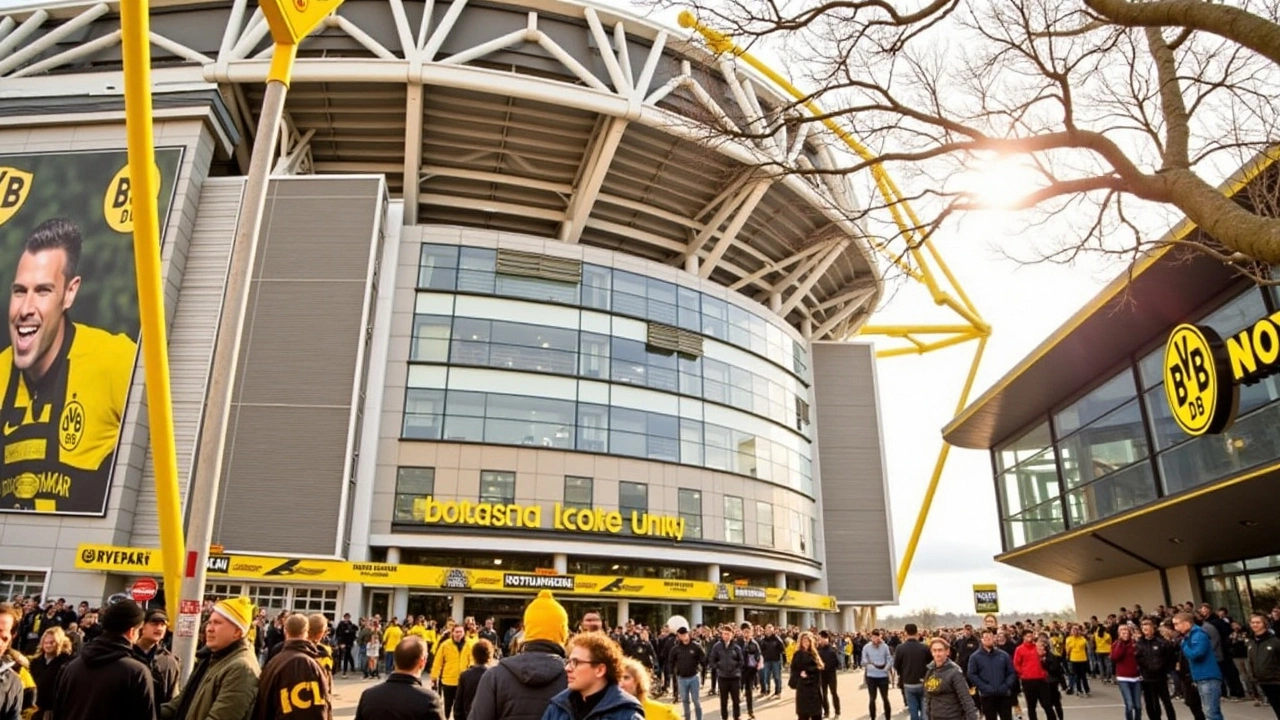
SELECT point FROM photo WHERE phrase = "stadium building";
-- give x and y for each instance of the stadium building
(1112, 469)
(516, 321)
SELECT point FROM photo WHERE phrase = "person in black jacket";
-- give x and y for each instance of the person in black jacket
(726, 661)
(1156, 659)
(771, 650)
(402, 696)
(106, 681)
(345, 634)
(750, 673)
(806, 678)
(469, 679)
(687, 661)
(910, 662)
(151, 651)
(1264, 660)
(46, 668)
(830, 666)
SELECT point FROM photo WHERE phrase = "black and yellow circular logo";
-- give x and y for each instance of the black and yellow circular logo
(71, 426)
(1197, 381)
(26, 486)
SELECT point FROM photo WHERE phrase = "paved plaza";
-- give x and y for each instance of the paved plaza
(1104, 704)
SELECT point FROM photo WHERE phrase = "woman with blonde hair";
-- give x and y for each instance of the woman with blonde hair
(806, 671)
(636, 680)
(46, 666)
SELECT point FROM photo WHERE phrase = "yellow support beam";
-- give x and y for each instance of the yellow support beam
(919, 248)
(135, 51)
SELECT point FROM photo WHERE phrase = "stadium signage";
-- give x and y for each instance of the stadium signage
(428, 510)
(146, 561)
(1203, 373)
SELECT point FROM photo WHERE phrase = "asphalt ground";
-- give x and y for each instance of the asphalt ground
(1103, 704)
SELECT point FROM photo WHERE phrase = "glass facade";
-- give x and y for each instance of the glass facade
(473, 270)
(1117, 447)
(1243, 587)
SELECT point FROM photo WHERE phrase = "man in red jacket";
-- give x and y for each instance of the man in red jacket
(1035, 680)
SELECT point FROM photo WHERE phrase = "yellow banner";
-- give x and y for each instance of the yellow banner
(139, 561)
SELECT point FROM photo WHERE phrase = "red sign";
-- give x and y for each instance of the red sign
(143, 589)
(189, 607)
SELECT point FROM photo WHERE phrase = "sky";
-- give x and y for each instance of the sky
(1024, 303)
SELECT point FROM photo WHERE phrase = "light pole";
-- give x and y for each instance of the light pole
(290, 21)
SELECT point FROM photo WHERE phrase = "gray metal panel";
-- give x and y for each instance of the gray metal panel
(191, 337)
(857, 532)
(292, 412)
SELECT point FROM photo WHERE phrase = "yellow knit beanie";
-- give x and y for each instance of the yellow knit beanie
(545, 619)
(238, 610)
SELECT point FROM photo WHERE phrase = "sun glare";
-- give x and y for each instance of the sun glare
(999, 184)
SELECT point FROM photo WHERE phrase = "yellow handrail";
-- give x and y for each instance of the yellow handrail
(904, 216)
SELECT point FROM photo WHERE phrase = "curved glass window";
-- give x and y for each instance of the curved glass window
(474, 270)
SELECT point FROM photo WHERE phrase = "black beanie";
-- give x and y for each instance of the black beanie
(122, 617)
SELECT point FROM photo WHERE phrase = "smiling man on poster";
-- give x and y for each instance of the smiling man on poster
(65, 383)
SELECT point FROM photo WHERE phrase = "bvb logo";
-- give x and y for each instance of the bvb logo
(71, 426)
(1197, 380)
(26, 486)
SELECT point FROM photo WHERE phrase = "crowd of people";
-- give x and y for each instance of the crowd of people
(64, 663)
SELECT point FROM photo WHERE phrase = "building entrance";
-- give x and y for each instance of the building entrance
(433, 607)
(507, 612)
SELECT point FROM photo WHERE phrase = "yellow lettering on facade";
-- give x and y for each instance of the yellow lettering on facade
(614, 522)
(1266, 342)
(571, 519)
(1240, 354)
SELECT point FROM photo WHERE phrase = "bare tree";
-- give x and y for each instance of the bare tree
(1112, 106)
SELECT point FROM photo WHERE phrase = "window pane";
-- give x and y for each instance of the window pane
(629, 294)
(497, 487)
(423, 414)
(437, 267)
(597, 285)
(764, 524)
(430, 338)
(470, 341)
(593, 428)
(734, 527)
(1251, 441)
(1116, 493)
(1028, 445)
(689, 309)
(413, 486)
(1237, 314)
(578, 492)
(1111, 394)
(475, 270)
(691, 442)
(593, 362)
(1034, 524)
(690, 506)
(633, 496)
(1116, 440)
(1151, 368)
(715, 318)
(1030, 484)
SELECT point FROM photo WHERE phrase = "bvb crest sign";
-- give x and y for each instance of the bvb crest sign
(1198, 382)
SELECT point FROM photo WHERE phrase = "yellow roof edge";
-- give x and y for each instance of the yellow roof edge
(1229, 187)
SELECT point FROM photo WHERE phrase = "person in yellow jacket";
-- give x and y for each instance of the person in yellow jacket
(789, 650)
(391, 637)
(636, 681)
(1077, 653)
(452, 657)
(1102, 640)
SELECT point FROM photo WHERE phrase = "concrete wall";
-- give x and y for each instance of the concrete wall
(1104, 597)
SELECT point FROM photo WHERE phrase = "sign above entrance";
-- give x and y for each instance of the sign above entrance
(1203, 374)
(108, 558)
(430, 511)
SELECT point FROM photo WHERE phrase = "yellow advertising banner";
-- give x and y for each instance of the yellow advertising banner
(110, 558)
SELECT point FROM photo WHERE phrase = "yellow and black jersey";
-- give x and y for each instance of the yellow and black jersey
(60, 431)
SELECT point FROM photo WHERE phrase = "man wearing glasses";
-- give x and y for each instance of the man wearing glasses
(593, 668)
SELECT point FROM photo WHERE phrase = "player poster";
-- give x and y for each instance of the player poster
(66, 363)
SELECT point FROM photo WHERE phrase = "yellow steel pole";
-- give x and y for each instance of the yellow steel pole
(905, 566)
(136, 56)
